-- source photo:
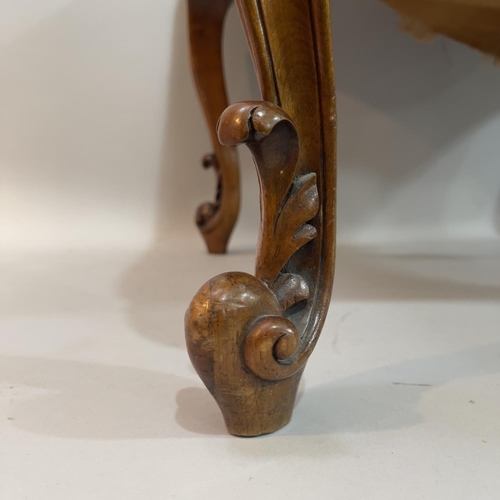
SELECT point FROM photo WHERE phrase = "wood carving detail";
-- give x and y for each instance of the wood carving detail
(206, 211)
(249, 337)
(252, 307)
(288, 201)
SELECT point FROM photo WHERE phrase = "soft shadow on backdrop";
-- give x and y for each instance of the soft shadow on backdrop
(72, 402)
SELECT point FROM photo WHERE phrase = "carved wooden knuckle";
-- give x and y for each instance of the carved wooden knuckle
(269, 348)
(251, 121)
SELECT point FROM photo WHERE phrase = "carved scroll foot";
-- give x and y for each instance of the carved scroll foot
(249, 337)
(215, 219)
(239, 329)
(220, 323)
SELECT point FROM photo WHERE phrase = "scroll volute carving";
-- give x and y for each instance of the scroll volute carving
(287, 203)
(249, 337)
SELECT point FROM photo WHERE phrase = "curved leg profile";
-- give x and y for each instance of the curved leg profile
(215, 219)
(249, 337)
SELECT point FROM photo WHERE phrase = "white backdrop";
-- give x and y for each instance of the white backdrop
(101, 133)
(101, 137)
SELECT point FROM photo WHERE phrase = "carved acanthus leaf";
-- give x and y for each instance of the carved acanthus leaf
(291, 231)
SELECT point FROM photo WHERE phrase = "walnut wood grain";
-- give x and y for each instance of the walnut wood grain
(474, 22)
(215, 219)
(249, 337)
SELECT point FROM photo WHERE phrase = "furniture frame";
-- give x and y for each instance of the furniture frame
(249, 337)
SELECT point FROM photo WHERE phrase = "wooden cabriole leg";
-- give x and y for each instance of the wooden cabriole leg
(216, 219)
(249, 337)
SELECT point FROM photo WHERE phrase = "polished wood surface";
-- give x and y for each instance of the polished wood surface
(473, 22)
(215, 219)
(249, 337)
